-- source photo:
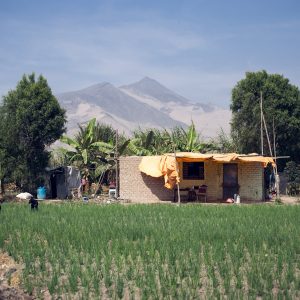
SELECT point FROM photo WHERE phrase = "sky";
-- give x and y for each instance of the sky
(197, 48)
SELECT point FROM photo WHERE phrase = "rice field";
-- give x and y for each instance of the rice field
(85, 251)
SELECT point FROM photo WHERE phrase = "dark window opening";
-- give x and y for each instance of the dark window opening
(193, 170)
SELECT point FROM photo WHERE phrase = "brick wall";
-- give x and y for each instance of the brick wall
(213, 176)
(251, 181)
(138, 187)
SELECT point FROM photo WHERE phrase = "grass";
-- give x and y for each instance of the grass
(157, 251)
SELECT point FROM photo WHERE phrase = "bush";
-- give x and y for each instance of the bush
(292, 172)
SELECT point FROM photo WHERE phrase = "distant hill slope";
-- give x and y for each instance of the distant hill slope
(151, 87)
(145, 103)
(208, 119)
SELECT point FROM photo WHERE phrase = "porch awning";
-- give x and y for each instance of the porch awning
(165, 165)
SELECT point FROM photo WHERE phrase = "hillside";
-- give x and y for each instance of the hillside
(146, 103)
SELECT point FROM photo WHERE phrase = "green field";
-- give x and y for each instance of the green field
(155, 251)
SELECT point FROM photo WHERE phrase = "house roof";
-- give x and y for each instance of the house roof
(222, 157)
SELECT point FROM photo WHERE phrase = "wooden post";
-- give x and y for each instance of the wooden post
(178, 190)
(117, 166)
(261, 125)
(267, 133)
(277, 179)
(274, 147)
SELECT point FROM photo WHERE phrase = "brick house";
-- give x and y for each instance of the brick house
(223, 174)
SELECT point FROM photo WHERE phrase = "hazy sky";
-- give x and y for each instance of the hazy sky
(199, 48)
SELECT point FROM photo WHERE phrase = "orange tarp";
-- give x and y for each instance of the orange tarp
(264, 160)
(151, 166)
(166, 165)
(157, 166)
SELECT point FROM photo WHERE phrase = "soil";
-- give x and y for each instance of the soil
(289, 199)
(10, 273)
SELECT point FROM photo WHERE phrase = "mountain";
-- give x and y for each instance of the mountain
(208, 118)
(151, 87)
(111, 105)
(146, 103)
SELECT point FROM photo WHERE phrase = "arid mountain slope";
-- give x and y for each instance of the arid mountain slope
(145, 103)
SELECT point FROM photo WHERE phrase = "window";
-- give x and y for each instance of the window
(193, 170)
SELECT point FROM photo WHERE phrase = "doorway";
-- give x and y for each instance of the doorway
(53, 186)
(230, 180)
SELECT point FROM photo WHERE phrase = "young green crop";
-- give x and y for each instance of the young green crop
(155, 251)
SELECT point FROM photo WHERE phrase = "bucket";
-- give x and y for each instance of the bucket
(41, 193)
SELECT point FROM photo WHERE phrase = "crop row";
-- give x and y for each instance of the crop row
(155, 251)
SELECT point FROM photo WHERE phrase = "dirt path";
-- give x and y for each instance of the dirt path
(289, 199)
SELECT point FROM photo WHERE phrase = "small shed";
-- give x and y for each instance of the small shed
(153, 178)
(61, 181)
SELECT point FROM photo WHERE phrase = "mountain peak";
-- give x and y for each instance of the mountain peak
(148, 82)
(148, 79)
(150, 87)
(99, 85)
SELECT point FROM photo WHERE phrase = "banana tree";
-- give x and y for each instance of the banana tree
(141, 143)
(155, 141)
(90, 154)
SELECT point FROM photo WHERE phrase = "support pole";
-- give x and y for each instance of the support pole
(178, 190)
(117, 165)
(267, 133)
(274, 147)
(277, 179)
(261, 124)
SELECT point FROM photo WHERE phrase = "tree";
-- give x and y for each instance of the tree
(92, 149)
(30, 120)
(189, 140)
(87, 151)
(156, 142)
(281, 103)
(292, 172)
(224, 142)
(147, 142)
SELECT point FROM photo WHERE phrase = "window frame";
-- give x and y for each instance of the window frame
(189, 171)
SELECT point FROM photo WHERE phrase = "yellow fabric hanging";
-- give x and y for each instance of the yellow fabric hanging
(166, 165)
